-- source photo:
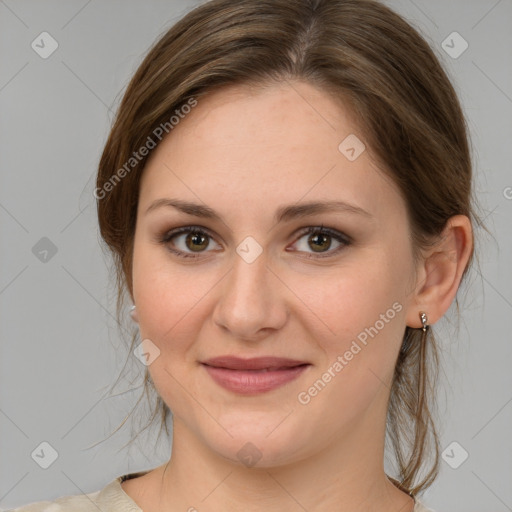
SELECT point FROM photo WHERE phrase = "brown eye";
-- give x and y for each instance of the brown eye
(196, 241)
(184, 242)
(324, 242)
(319, 242)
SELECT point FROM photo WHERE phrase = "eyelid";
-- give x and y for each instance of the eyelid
(339, 236)
(166, 237)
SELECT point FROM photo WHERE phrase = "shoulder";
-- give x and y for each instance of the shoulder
(419, 507)
(78, 503)
(111, 498)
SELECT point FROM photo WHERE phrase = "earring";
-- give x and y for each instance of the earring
(133, 314)
(424, 324)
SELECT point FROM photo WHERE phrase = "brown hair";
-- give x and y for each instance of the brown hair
(360, 52)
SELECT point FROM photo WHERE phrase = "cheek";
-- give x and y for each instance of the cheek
(170, 300)
(359, 315)
(164, 306)
(348, 301)
(359, 331)
(171, 310)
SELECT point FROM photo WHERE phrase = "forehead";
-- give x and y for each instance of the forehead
(268, 115)
(278, 143)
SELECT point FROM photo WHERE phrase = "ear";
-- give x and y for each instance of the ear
(440, 272)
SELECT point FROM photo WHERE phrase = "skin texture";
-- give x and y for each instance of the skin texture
(244, 152)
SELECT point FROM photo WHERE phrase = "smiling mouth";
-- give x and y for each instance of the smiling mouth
(254, 363)
(253, 376)
(262, 370)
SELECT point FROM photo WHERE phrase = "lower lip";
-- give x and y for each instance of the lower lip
(247, 382)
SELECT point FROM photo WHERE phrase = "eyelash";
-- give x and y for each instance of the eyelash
(318, 230)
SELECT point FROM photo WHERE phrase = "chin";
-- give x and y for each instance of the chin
(261, 441)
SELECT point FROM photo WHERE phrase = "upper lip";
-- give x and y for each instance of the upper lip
(256, 363)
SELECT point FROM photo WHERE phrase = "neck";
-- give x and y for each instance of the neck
(347, 476)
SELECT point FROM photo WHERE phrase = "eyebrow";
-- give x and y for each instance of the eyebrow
(283, 213)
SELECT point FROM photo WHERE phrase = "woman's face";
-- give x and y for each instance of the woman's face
(252, 282)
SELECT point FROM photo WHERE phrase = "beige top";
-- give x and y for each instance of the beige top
(111, 498)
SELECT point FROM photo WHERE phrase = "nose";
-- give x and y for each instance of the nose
(251, 300)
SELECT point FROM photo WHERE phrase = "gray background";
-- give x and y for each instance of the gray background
(60, 349)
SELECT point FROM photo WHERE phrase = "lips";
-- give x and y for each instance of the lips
(252, 376)
(256, 363)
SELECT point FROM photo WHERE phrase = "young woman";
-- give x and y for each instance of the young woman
(287, 195)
